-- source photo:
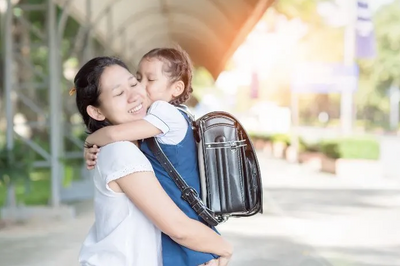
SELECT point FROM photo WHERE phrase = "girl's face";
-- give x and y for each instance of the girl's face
(156, 82)
(122, 98)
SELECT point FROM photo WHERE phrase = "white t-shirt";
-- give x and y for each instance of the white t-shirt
(121, 235)
(169, 120)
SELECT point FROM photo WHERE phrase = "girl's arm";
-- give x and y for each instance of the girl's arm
(131, 131)
(162, 117)
(146, 193)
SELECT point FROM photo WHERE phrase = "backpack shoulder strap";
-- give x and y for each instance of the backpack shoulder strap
(185, 109)
(188, 193)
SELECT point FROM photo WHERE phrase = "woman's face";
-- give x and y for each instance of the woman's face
(156, 83)
(122, 98)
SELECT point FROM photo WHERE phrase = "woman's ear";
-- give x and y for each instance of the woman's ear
(178, 88)
(95, 113)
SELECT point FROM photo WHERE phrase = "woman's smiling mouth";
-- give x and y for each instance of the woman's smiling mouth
(136, 109)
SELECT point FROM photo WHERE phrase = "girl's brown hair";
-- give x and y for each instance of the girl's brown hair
(177, 66)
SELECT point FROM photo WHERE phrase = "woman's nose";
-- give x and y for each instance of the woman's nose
(133, 96)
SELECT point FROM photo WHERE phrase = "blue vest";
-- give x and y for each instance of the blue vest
(184, 158)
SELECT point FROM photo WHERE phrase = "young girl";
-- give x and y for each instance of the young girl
(166, 73)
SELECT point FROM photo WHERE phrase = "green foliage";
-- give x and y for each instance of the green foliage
(202, 82)
(308, 147)
(379, 73)
(330, 149)
(32, 185)
(38, 193)
(15, 164)
(351, 148)
(259, 136)
(360, 149)
(2, 139)
(202, 78)
(323, 43)
(284, 138)
(306, 10)
(387, 31)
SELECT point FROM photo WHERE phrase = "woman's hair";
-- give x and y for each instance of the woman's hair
(87, 88)
(177, 66)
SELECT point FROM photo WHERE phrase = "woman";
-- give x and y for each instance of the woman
(130, 205)
(166, 74)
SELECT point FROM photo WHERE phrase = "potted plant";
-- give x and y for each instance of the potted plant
(15, 166)
(280, 142)
(351, 157)
(330, 150)
(310, 154)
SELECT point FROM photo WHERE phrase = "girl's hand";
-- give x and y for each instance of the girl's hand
(90, 155)
(223, 261)
(213, 262)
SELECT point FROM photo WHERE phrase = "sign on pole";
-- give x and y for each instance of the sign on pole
(365, 37)
(325, 78)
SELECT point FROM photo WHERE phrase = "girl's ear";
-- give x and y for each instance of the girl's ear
(95, 113)
(178, 88)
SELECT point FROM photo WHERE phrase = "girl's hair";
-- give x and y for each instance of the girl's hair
(87, 88)
(177, 66)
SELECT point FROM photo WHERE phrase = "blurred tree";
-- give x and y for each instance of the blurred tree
(378, 74)
(321, 43)
(1, 67)
(203, 83)
(306, 10)
(386, 66)
(31, 45)
(202, 80)
(15, 165)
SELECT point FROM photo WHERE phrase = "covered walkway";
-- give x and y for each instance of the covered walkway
(44, 42)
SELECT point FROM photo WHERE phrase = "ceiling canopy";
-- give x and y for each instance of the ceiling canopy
(209, 30)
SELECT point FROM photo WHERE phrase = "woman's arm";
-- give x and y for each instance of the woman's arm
(147, 194)
(131, 131)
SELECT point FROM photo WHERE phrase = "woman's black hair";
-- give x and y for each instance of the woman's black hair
(87, 86)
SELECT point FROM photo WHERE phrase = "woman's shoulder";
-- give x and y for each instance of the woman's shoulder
(121, 154)
(120, 146)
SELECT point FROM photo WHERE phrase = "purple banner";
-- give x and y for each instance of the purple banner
(324, 78)
(365, 37)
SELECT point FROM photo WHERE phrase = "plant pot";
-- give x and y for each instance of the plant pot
(278, 149)
(258, 144)
(268, 149)
(328, 165)
(291, 154)
(311, 159)
(352, 168)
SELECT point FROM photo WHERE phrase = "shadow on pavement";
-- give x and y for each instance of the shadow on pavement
(271, 251)
(332, 201)
(385, 256)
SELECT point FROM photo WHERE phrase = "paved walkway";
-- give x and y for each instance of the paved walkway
(310, 219)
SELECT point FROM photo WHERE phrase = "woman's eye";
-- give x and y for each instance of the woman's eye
(134, 85)
(151, 79)
(122, 92)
